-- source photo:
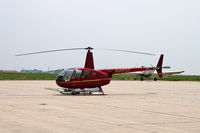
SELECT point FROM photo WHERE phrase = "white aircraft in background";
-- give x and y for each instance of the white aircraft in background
(152, 74)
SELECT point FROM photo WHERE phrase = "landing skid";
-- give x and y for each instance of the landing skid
(83, 91)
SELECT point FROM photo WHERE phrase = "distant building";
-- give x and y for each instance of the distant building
(40, 71)
(31, 71)
(8, 71)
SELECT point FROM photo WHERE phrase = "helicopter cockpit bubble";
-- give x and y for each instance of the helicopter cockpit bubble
(65, 75)
(71, 74)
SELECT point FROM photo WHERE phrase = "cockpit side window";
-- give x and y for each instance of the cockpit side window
(76, 74)
(85, 73)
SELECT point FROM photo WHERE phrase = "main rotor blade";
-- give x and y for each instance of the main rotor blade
(88, 48)
(126, 51)
(48, 51)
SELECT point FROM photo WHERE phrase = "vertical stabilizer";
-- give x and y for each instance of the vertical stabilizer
(89, 62)
(159, 66)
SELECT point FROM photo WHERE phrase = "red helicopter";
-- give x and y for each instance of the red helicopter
(87, 79)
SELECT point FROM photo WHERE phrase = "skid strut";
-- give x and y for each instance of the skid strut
(101, 90)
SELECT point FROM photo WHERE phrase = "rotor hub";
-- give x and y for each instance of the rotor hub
(89, 48)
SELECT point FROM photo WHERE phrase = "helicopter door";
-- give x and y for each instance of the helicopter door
(85, 74)
(76, 75)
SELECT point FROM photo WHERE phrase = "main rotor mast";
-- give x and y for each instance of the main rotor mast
(89, 62)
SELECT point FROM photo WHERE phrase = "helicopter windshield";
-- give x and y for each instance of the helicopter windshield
(66, 74)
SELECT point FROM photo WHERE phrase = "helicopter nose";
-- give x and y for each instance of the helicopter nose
(60, 79)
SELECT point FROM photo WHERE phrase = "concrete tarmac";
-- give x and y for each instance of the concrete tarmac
(127, 107)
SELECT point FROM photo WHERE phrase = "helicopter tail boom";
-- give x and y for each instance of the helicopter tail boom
(158, 68)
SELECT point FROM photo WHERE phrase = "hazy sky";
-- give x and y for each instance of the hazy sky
(171, 27)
